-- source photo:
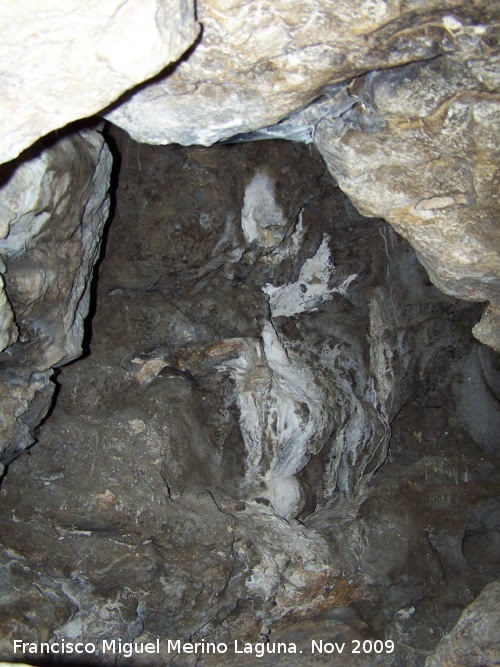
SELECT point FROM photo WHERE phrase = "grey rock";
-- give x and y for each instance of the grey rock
(8, 329)
(215, 468)
(474, 640)
(238, 381)
(61, 64)
(430, 167)
(257, 63)
(54, 207)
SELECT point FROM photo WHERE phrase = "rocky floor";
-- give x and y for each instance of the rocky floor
(281, 432)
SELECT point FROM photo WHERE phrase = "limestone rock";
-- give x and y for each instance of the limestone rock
(259, 61)
(26, 397)
(414, 141)
(259, 348)
(53, 209)
(486, 330)
(197, 565)
(431, 165)
(475, 639)
(8, 329)
(65, 61)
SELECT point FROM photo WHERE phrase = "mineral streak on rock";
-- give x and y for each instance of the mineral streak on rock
(284, 418)
(311, 289)
(262, 220)
(258, 62)
(213, 410)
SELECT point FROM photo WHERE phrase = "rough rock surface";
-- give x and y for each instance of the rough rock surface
(65, 61)
(259, 349)
(475, 639)
(409, 127)
(53, 207)
(8, 328)
(241, 300)
(414, 141)
(259, 61)
(429, 164)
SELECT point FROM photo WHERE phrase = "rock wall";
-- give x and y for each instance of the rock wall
(69, 60)
(54, 206)
(414, 141)
(474, 639)
(429, 164)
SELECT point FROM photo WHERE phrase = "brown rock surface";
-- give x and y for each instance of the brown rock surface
(259, 61)
(214, 468)
(431, 166)
(414, 141)
(475, 639)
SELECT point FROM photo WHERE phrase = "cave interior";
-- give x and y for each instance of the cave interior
(279, 428)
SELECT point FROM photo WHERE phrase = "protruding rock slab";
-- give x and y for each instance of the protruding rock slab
(68, 60)
(258, 61)
(429, 163)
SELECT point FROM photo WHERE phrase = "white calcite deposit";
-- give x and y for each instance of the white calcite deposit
(313, 287)
(284, 417)
(262, 219)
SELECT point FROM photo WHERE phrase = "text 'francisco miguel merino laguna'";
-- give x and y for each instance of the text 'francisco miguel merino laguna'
(128, 649)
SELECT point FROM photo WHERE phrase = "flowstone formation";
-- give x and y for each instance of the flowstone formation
(266, 440)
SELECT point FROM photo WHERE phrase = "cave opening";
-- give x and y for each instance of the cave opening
(279, 430)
